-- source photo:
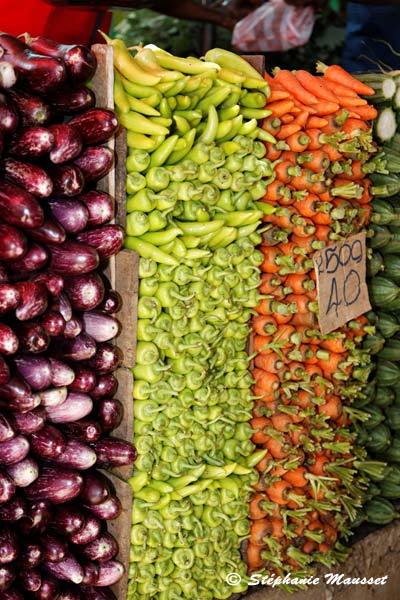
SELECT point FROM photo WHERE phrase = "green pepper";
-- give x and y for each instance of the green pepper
(148, 250)
(138, 480)
(178, 155)
(138, 160)
(138, 515)
(144, 200)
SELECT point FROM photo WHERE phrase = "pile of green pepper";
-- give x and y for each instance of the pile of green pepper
(195, 171)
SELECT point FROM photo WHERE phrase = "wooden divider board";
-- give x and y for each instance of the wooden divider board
(122, 272)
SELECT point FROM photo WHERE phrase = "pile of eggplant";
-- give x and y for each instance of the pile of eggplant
(57, 387)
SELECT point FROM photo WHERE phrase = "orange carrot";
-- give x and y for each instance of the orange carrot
(269, 264)
(353, 125)
(280, 107)
(338, 75)
(255, 561)
(271, 124)
(289, 156)
(259, 424)
(277, 449)
(277, 95)
(288, 80)
(315, 141)
(302, 118)
(332, 408)
(300, 284)
(269, 282)
(287, 130)
(281, 422)
(296, 477)
(265, 380)
(272, 152)
(264, 325)
(270, 362)
(260, 530)
(331, 152)
(316, 160)
(323, 107)
(297, 141)
(315, 86)
(338, 89)
(367, 113)
(314, 122)
(275, 191)
(260, 343)
(261, 467)
(268, 78)
(316, 465)
(351, 101)
(288, 118)
(335, 344)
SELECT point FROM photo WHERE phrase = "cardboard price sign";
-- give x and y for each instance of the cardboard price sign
(341, 287)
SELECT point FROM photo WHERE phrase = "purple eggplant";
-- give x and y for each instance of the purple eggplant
(49, 589)
(4, 276)
(85, 291)
(89, 532)
(106, 385)
(9, 297)
(102, 549)
(30, 579)
(53, 396)
(82, 347)
(111, 303)
(33, 300)
(62, 305)
(48, 442)
(100, 206)
(14, 510)
(110, 572)
(106, 359)
(37, 516)
(8, 545)
(31, 143)
(4, 372)
(14, 450)
(68, 179)
(84, 430)
(75, 407)
(8, 115)
(70, 213)
(53, 282)
(54, 547)
(53, 322)
(67, 569)
(69, 101)
(50, 232)
(30, 555)
(97, 488)
(40, 73)
(16, 395)
(32, 337)
(34, 260)
(96, 125)
(24, 472)
(73, 258)
(107, 239)
(8, 340)
(114, 452)
(61, 374)
(56, 484)
(67, 143)
(36, 371)
(95, 162)
(67, 519)
(84, 381)
(90, 573)
(7, 576)
(107, 510)
(8, 77)
(100, 326)
(30, 422)
(109, 413)
(6, 428)
(32, 178)
(7, 490)
(13, 245)
(80, 62)
(33, 110)
(76, 455)
(19, 207)
(73, 327)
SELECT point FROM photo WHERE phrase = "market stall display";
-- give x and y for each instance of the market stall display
(263, 436)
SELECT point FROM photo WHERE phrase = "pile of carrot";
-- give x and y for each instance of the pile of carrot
(309, 487)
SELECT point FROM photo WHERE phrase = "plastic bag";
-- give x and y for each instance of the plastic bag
(273, 27)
